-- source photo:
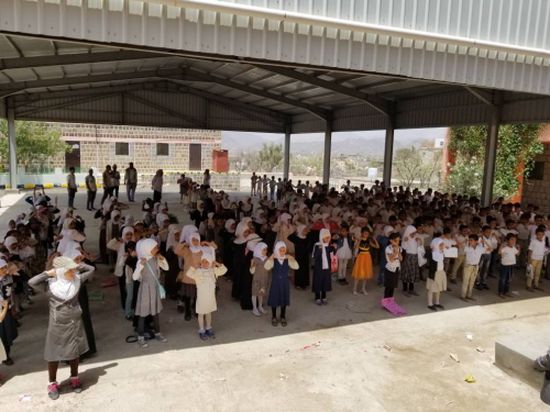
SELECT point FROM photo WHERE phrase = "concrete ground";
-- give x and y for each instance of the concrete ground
(349, 355)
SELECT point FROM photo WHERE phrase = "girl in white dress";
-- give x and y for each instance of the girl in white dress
(205, 277)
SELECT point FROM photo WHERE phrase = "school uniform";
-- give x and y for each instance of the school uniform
(472, 257)
(538, 251)
(322, 281)
(65, 338)
(392, 271)
(8, 327)
(508, 261)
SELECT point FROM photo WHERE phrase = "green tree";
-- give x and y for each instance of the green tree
(271, 156)
(518, 145)
(36, 143)
(416, 167)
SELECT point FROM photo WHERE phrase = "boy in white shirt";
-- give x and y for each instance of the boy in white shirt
(535, 256)
(508, 253)
(472, 256)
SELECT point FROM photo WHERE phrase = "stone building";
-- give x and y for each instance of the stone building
(536, 189)
(150, 148)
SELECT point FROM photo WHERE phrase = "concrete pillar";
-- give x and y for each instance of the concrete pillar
(286, 154)
(388, 154)
(326, 156)
(11, 144)
(490, 157)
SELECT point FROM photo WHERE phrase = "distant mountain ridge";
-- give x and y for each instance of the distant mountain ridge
(344, 143)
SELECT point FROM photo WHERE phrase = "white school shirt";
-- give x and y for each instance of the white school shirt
(508, 255)
(537, 248)
(490, 242)
(473, 255)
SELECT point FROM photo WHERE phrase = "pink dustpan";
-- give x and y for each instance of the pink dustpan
(391, 306)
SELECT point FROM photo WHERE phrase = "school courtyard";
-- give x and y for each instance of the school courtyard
(349, 355)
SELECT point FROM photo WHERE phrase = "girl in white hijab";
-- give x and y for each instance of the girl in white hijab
(205, 277)
(190, 253)
(65, 339)
(118, 246)
(322, 281)
(149, 303)
(437, 279)
(260, 278)
(279, 292)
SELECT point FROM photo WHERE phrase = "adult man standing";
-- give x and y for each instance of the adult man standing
(92, 190)
(130, 180)
(107, 183)
(116, 180)
(71, 187)
(156, 185)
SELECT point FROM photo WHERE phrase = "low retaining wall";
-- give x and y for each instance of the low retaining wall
(219, 181)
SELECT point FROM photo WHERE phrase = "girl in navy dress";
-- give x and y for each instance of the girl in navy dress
(279, 292)
(322, 282)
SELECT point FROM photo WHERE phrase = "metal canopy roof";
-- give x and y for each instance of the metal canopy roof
(49, 72)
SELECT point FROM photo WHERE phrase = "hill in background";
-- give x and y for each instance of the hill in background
(343, 143)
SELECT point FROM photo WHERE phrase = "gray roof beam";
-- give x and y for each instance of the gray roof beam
(246, 109)
(485, 96)
(201, 76)
(80, 58)
(375, 102)
(11, 88)
(199, 123)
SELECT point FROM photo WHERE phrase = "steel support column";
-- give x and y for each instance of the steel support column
(11, 143)
(388, 153)
(490, 157)
(326, 156)
(286, 154)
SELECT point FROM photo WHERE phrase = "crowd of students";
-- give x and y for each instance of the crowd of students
(302, 236)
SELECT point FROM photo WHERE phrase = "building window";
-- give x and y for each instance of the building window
(163, 149)
(538, 171)
(122, 149)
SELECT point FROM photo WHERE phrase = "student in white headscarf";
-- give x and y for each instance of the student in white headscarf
(279, 291)
(260, 279)
(65, 339)
(118, 246)
(437, 281)
(205, 277)
(322, 282)
(149, 303)
(190, 252)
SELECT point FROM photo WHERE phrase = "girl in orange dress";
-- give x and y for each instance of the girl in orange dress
(362, 269)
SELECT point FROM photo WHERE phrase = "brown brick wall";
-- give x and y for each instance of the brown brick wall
(97, 146)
